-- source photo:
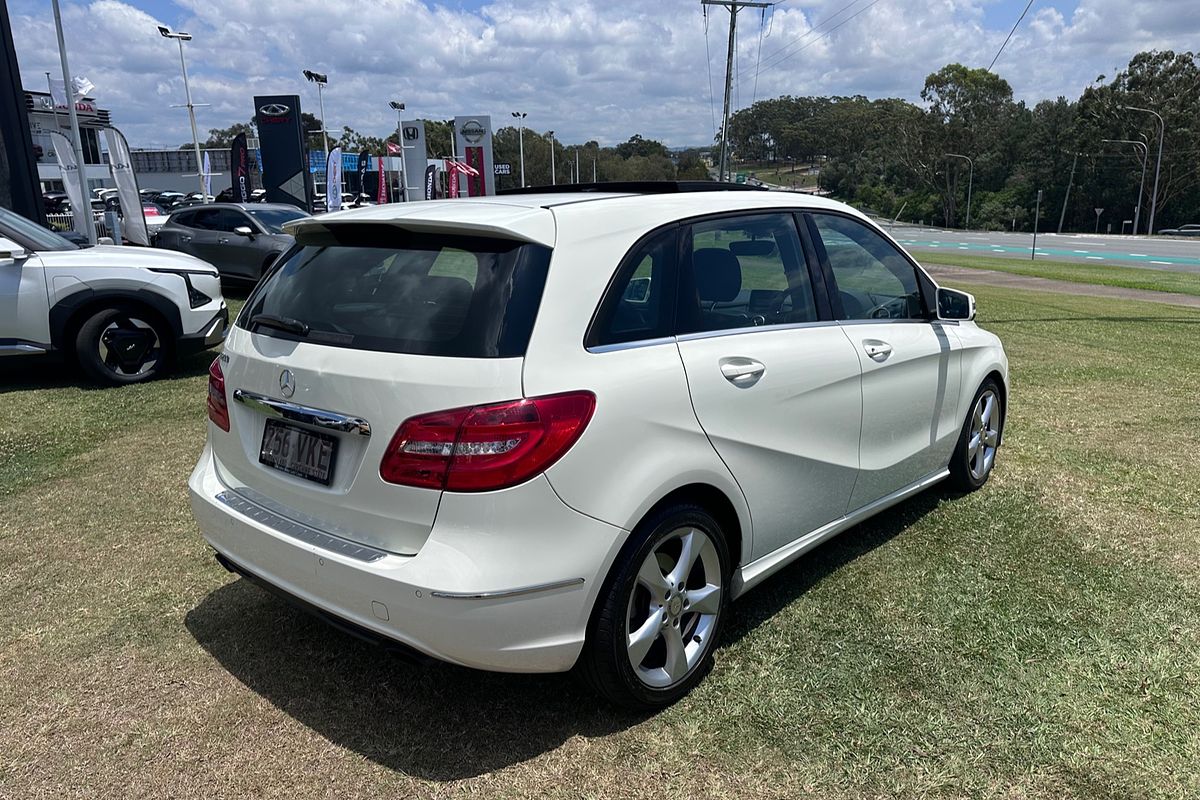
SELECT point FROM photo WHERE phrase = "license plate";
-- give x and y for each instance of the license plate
(305, 454)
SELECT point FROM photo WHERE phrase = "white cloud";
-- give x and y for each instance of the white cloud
(587, 68)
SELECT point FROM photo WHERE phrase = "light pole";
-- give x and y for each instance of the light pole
(321, 80)
(520, 118)
(970, 183)
(399, 109)
(551, 135)
(1137, 209)
(81, 216)
(1162, 134)
(182, 37)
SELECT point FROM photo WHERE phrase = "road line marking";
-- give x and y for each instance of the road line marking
(1165, 263)
(1138, 255)
(1096, 258)
(1080, 251)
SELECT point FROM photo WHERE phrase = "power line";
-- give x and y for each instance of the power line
(813, 30)
(824, 35)
(762, 23)
(1010, 35)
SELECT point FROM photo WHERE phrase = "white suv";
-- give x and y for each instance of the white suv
(538, 432)
(122, 312)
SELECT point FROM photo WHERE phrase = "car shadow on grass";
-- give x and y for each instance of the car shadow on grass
(433, 721)
(444, 723)
(57, 372)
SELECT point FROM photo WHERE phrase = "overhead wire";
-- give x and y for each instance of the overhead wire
(813, 30)
(824, 35)
(1010, 35)
(712, 103)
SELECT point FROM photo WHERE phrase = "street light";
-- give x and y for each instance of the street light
(551, 135)
(1162, 134)
(399, 109)
(1137, 209)
(970, 182)
(182, 37)
(520, 117)
(321, 80)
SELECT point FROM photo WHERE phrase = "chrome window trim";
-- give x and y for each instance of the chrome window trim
(294, 412)
(631, 345)
(889, 321)
(691, 337)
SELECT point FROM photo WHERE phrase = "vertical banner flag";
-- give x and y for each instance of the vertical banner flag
(133, 226)
(81, 208)
(412, 142)
(382, 194)
(282, 150)
(333, 180)
(364, 160)
(473, 145)
(239, 165)
(207, 171)
(430, 181)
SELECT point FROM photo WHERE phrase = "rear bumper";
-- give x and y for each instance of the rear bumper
(506, 580)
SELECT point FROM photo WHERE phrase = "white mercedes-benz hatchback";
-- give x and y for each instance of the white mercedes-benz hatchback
(547, 431)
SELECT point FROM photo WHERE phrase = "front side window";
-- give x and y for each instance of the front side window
(743, 272)
(874, 281)
(273, 219)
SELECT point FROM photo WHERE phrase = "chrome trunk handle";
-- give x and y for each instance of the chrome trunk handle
(317, 417)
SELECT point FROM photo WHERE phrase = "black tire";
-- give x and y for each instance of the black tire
(965, 472)
(605, 664)
(123, 345)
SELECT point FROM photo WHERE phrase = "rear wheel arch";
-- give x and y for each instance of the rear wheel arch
(715, 502)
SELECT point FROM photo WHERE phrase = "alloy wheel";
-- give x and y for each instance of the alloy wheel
(673, 607)
(985, 435)
(129, 346)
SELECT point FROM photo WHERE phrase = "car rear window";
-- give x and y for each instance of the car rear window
(376, 287)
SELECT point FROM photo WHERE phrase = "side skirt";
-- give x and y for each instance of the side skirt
(754, 573)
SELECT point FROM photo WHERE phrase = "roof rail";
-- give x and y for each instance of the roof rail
(637, 187)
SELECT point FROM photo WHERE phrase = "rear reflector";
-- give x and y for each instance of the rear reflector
(218, 408)
(484, 448)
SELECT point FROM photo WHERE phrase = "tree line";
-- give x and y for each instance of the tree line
(890, 154)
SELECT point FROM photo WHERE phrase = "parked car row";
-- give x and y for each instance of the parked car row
(124, 314)
(240, 240)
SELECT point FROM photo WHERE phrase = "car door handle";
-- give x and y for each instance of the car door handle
(877, 349)
(742, 371)
(185, 238)
(222, 240)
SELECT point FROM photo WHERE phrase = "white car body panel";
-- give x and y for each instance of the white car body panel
(24, 304)
(507, 579)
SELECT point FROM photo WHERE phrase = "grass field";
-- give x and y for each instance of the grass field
(1037, 639)
(1103, 275)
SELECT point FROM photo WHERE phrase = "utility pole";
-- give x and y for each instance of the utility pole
(1037, 216)
(519, 116)
(733, 6)
(553, 181)
(1070, 183)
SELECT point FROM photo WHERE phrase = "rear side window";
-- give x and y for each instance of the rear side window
(374, 287)
(638, 305)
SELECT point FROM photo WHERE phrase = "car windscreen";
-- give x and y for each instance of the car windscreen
(29, 234)
(376, 287)
(273, 218)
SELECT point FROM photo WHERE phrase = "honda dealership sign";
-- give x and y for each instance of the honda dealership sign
(473, 146)
(282, 146)
(412, 140)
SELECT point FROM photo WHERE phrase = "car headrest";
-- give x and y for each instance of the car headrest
(752, 247)
(718, 274)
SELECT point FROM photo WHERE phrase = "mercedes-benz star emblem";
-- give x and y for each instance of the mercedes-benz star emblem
(287, 383)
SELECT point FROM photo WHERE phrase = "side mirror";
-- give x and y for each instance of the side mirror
(11, 250)
(105, 240)
(637, 291)
(955, 305)
(244, 230)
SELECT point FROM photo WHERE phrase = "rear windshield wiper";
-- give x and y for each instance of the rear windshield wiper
(288, 324)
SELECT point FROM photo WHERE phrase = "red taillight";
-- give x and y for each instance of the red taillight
(488, 447)
(218, 409)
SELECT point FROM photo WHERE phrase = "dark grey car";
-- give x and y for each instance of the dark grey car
(239, 239)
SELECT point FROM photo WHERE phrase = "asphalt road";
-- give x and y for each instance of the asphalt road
(1179, 255)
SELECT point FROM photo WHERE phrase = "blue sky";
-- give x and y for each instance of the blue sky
(589, 69)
